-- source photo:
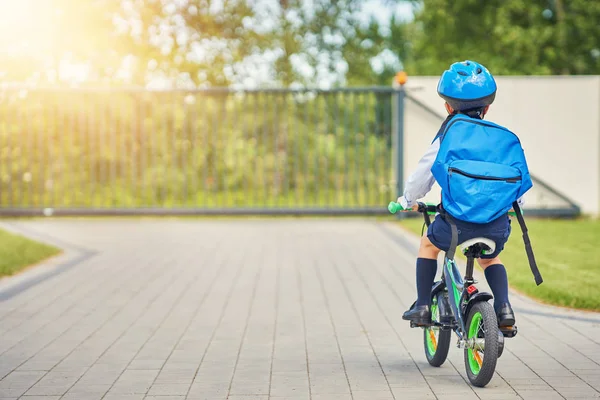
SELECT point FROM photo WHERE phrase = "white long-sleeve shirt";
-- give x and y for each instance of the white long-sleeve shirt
(421, 181)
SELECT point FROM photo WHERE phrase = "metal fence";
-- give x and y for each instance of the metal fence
(214, 151)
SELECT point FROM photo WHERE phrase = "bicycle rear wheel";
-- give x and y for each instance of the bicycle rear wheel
(436, 340)
(481, 349)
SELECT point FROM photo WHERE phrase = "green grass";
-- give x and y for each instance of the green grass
(567, 254)
(18, 252)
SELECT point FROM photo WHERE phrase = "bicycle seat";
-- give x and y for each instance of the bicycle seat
(477, 246)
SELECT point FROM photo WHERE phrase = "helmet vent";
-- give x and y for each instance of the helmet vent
(463, 73)
(479, 70)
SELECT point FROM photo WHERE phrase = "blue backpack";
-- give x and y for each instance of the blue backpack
(481, 169)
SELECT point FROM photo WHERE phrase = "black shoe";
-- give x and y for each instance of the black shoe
(505, 314)
(420, 315)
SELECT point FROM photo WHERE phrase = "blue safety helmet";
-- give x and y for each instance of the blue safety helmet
(467, 85)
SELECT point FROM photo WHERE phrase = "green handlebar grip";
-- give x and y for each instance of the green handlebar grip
(514, 213)
(394, 207)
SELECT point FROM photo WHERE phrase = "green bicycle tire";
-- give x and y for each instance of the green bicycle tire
(482, 324)
(436, 352)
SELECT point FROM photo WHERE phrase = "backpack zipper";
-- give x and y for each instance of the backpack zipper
(487, 178)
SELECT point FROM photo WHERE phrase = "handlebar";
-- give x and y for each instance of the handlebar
(424, 208)
(429, 208)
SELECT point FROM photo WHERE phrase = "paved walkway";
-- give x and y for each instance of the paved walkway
(277, 309)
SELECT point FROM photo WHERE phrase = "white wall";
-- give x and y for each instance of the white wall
(557, 119)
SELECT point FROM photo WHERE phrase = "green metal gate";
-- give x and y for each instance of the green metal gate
(211, 151)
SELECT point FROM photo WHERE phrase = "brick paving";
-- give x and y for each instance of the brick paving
(254, 309)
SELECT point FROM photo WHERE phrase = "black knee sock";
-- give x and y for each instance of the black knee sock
(426, 269)
(498, 281)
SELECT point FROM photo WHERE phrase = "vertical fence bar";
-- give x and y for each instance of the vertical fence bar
(211, 159)
(325, 140)
(51, 159)
(315, 131)
(31, 160)
(182, 148)
(23, 153)
(113, 157)
(91, 150)
(64, 133)
(232, 139)
(72, 142)
(20, 154)
(80, 161)
(205, 146)
(43, 152)
(286, 125)
(17, 150)
(10, 153)
(371, 144)
(164, 145)
(398, 133)
(376, 148)
(213, 186)
(133, 150)
(193, 147)
(223, 123)
(59, 142)
(296, 117)
(255, 147)
(184, 155)
(143, 149)
(173, 140)
(124, 154)
(387, 106)
(306, 149)
(346, 160)
(3, 147)
(275, 189)
(355, 133)
(336, 166)
(185, 150)
(118, 153)
(365, 147)
(102, 138)
(265, 126)
(241, 169)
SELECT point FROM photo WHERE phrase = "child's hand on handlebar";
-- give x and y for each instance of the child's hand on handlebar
(413, 208)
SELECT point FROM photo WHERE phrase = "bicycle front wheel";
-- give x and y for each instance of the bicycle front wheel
(481, 349)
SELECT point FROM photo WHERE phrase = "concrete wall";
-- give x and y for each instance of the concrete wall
(556, 118)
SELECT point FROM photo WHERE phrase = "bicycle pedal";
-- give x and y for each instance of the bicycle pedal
(419, 325)
(509, 331)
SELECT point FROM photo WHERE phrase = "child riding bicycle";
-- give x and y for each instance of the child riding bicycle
(468, 89)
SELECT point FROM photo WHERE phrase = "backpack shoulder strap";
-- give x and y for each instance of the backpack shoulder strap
(444, 127)
(528, 249)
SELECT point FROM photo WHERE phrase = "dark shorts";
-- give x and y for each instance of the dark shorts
(439, 233)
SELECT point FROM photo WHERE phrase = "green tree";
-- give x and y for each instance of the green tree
(508, 36)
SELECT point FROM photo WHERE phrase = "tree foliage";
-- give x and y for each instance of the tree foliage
(538, 37)
(293, 42)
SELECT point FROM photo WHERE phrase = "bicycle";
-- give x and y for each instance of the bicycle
(457, 305)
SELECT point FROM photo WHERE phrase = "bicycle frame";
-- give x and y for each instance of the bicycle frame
(459, 293)
(456, 291)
